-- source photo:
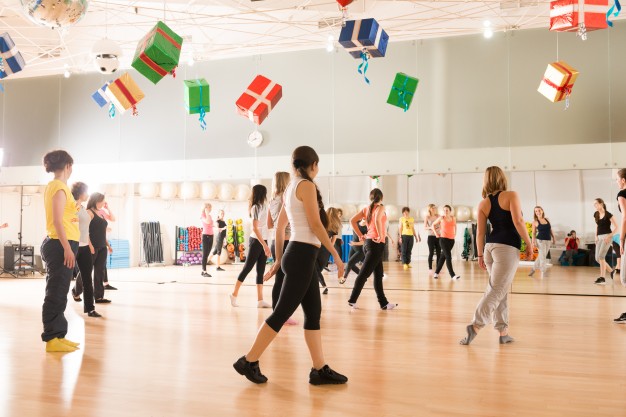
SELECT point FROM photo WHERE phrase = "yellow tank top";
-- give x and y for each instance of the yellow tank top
(70, 212)
(406, 225)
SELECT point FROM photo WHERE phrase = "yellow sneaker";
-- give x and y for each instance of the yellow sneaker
(56, 345)
(409, 265)
(69, 342)
(405, 266)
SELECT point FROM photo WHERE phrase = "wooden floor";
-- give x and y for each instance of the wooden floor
(167, 350)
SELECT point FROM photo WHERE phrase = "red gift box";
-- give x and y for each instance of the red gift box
(567, 15)
(259, 99)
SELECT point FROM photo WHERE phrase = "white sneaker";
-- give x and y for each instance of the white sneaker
(353, 306)
(390, 306)
(436, 276)
(233, 300)
(456, 278)
(384, 277)
(264, 304)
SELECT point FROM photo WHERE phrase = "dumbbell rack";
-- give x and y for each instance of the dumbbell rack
(182, 246)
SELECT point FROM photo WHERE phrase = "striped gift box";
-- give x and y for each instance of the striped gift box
(567, 15)
(100, 96)
(11, 59)
(124, 93)
(364, 35)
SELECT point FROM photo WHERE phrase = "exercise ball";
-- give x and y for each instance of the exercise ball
(208, 191)
(349, 210)
(169, 190)
(242, 192)
(54, 13)
(189, 190)
(31, 189)
(441, 213)
(475, 213)
(463, 213)
(424, 213)
(148, 189)
(392, 212)
(226, 191)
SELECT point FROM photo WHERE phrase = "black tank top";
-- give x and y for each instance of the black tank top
(503, 229)
(543, 231)
(98, 231)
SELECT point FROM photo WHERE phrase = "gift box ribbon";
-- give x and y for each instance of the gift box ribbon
(260, 98)
(615, 9)
(402, 92)
(148, 61)
(566, 88)
(5, 56)
(362, 69)
(127, 94)
(200, 108)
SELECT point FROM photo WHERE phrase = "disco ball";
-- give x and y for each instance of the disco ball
(55, 13)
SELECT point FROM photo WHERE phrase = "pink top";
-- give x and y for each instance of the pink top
(447, 228)
(371, 226)
(207, 228)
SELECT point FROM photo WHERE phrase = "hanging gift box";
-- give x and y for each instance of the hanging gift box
(197, 99)
(158, 53)
(11, 60)
(124, 94)
(259, 99)
(364, 39)
(100, 96)
(402, 91)
(575, 15)
(558, 81)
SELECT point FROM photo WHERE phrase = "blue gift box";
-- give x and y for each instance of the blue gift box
(12, 60)
(100, 97)
(365, 34)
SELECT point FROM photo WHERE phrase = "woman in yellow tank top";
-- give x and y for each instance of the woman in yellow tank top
(58, 250)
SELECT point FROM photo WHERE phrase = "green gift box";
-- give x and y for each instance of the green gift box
(158, 53)
(402, 91)
(197, 96)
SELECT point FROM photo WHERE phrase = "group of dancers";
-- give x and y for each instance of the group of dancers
(301, 229)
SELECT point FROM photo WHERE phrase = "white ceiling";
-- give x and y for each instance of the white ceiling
(217, 29)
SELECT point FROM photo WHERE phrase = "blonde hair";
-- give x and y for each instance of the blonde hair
(432, 206)
(334, 221)
(543, 213)
(494, 181)
(207, 206)
(281, 180)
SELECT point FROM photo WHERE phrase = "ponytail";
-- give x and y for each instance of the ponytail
(376, 196)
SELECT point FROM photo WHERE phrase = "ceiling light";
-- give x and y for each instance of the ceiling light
(486, 23)
(488, 33)
(191, 61)
(330, 47)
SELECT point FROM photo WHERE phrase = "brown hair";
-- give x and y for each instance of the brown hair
(430, 207)
(302, 158)
(258, 197)
(543, 213)
(334, 220)
(94, 199)
(57, 160)
(281, 179)
(408, 210)
(78, 189)
(494, 181)
(596, 215)
(622, 173)
(376, 196)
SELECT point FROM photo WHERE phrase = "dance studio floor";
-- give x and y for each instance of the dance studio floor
(166, 345)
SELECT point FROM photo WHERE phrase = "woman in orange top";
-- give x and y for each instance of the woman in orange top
(58, 250)
(446, 235)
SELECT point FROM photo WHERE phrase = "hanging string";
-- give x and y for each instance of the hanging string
(608, 41)
(332, 108)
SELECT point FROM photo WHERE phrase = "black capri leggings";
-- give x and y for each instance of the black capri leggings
(280, 275)
(219, 245)
(207, 244)
(373, 263)
(433, 247)
(356, 256)
(299, 288)
(256, 255)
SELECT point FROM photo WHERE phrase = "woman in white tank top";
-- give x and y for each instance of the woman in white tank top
(304, 211)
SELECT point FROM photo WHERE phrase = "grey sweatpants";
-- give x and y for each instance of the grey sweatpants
(502, 261)
(542, 258)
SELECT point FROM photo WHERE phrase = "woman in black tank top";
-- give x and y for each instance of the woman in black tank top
(98, 237)
(500, 255)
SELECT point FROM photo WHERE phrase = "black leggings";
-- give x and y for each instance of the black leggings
(407, 248)
(84, 281)
(207, 244)
(299, 288)
(356, 256)
(339, 248)
(256, 255)
(219, 245)
(433, 247)
(446, 255)
(99, 272)
(280, 275)
(373, 263)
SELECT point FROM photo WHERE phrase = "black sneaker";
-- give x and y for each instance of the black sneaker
(205, 274)
(94, 314)
(219, 269)
(326, 376)
(612, 273)
(110, 287)
(76, 297)
(621, 319)
(250, 370)
(103, 301)
(325, 291)
(600, 281)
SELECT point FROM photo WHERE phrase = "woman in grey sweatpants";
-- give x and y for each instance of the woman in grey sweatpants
(500, 256)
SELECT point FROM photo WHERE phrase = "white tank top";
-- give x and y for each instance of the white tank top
(300, 229)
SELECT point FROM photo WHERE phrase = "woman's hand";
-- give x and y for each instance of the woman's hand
(340, 270)
(266, 249)
(92, 249)
(481, 262)
(529, 253)
(273, 270)
(68, 258)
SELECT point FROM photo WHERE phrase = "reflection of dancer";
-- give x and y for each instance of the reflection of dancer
(304, 211)
(97, 236)
(621, 203)
(323, 256)
(433, 241)
(374, 247)
(356, 250)
(58, 250)
(259, 251)
(281, 180)
(606, 226)
(407, 234)
(542, 236)
(84, 258)
(109, 217)
(500, 256)
(446, 239)
(219, 245)
(207, 236)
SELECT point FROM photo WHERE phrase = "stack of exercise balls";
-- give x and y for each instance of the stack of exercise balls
(195, 238)
(230, 240)
(241, 240)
